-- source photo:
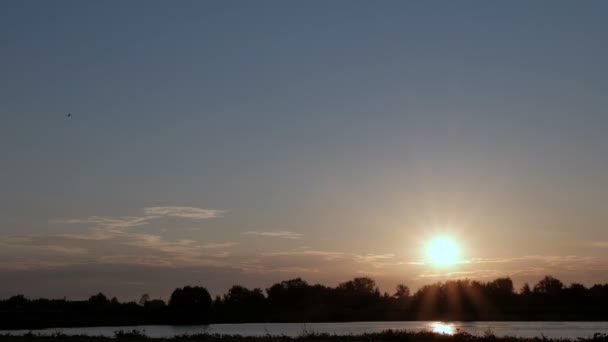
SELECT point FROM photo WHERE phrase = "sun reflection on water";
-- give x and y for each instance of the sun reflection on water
(443, 328)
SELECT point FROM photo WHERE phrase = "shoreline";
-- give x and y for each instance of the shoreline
(3, 330)
(387, 335)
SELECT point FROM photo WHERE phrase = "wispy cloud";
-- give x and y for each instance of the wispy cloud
(64, 249)
(370, 273)
(600, 244)
(523, 266)
(107, 222)
(278, 234)
(326, 255)
(458, 274)
(32, 264)
(549, 259)
(257, 266)
(35, 242)
(144, 248)
(213, 245)
(427, 262)
(184, 212)
(150, 213)
(151, 248)
(376, 260)
(371, 258)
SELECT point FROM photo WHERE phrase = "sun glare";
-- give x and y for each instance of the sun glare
(442, 251)
(442, 328)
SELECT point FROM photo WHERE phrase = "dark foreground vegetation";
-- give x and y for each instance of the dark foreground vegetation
(387, 335)
(297, 301)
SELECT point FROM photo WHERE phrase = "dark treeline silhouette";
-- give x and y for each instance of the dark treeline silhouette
(297, 301)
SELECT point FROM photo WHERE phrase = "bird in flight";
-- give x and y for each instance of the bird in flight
(69, 115)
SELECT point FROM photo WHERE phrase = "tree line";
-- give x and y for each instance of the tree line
(296, 300)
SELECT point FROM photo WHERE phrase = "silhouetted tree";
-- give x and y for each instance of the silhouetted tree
(17, 302)
(191, 304)
(99, 300)
(402, 292)
(360, 286)
(155, 304)
(501, 287)
(577, 288)
(144, 298)
(525, 290)
(243, 296)
(241, 304)
(297, 301)
(549, 285)
(359, 299)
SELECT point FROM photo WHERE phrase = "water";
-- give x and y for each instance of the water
(571, 330)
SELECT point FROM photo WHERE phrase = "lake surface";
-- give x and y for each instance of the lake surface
(522, 329)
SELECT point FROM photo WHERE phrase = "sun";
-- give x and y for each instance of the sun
(442, 251)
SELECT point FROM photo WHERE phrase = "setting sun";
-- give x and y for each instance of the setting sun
(442, 251)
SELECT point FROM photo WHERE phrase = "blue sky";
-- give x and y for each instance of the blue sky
(278, 139)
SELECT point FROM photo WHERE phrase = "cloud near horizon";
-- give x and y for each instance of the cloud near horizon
(278, 234)
(109, 222)
(150, 213)
(375, 260)
(184, 212)
(107, 237)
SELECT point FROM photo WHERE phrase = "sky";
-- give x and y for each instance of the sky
(230, 142)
